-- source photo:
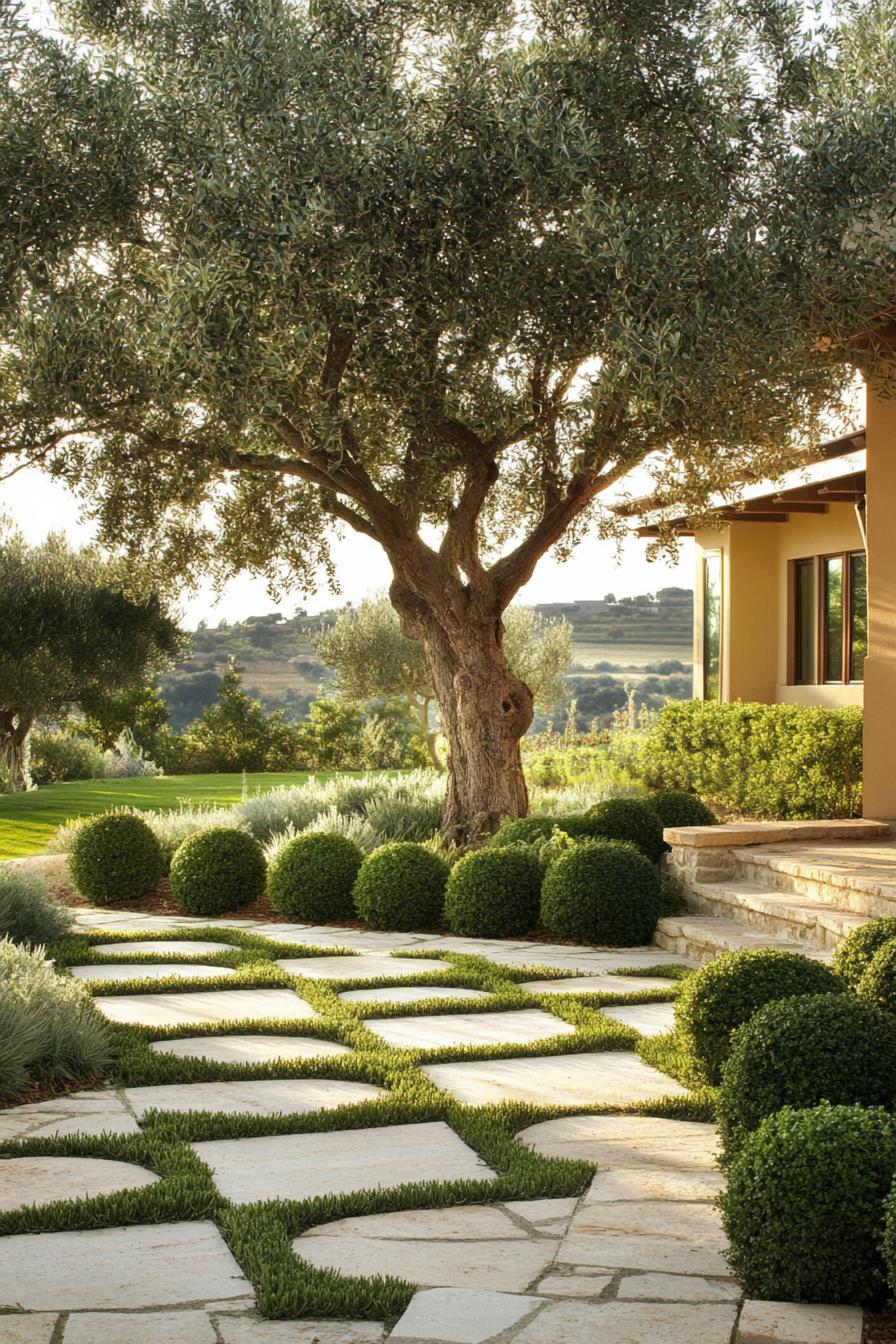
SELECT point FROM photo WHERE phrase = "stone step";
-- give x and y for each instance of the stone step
(850, 881)
(703, 937)
(779, 914)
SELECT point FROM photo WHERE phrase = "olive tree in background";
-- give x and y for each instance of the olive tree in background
(439, 273)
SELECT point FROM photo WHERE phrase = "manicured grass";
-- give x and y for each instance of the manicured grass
(27, 820)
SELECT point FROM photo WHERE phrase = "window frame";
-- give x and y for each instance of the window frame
(821, 647)
(716, 556)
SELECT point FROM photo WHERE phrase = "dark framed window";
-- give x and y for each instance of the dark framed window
(829, 619)
(712, 626)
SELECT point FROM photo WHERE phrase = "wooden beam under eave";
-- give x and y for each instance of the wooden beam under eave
(800, 506)
(744, 516)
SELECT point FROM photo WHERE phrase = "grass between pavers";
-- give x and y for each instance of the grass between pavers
(260, 1235)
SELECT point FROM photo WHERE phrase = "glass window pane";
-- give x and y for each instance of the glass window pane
(858, 615)
(833, 618)
(804, 622)
(712, 627)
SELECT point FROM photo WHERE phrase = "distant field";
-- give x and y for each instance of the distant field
(586, 652)
(27, 820)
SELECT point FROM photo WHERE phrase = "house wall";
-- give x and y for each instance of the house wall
(880, 665)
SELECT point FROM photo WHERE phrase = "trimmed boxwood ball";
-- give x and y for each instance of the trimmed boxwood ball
(805, 1206)
(878, 984)
(680, 809)
(312, 877)
(217, 870)
(493, 893)
(857, 951)
(602, 891)
(401, 886)
(629, 819)
(802, 1051)
(537, 827)
(114, 858)
(728, 991)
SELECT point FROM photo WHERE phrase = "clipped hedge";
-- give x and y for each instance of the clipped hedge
(632, 820)
(802, 1051)
(115, 857)
(725, 993)
(680, 809)
(857, 951)
(494, 893)
(312, 877)
(602, 891)
(401, 886)
(217, 870)
(778, 761)
(805, 1206)
(878, 983)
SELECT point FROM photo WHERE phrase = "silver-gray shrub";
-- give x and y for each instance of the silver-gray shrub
(28, 913)
(268, 814)
(357, 829)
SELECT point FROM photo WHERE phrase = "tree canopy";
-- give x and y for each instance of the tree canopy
(440, 273)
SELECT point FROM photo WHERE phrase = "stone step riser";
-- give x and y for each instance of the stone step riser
(708, 902)
(702, 938)
(820, 888)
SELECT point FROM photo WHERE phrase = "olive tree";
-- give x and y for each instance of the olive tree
(440, 273)
(74, 628)
(374, 660)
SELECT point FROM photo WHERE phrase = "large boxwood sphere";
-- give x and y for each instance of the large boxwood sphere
(217, 870)
(805, 1205)
(493, 893)
(857, 951)
(802, 1051)
(312, 877)
(878, 984)
(728, 991)
(630, 819)
(601, 891)
(401, 886)
(680, 809)
(114, 858)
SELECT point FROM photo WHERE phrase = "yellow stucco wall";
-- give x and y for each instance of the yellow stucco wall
(880, 665)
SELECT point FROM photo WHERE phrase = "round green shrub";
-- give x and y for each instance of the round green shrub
(217, 870)
(805, 1206)
(728, 991)
(523, 831)
(602, 891)
(856, 952)
(493, 893)
(115, 857)
(878, 984)
(401, 886)
(802, 1051)
(680, 809)
(312, 877)
(629, 819)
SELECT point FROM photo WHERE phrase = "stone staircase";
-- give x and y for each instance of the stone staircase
(801, 886)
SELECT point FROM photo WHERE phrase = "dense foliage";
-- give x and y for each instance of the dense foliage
(115, 857)
(28, 914)
(312, 877)
(217, 870)
(858, 949)
(727, 992)
(878, 982)
(632, 820)
(494, 893)
(680, 809)
(401, 886)
(804, 1209)
(602, 891)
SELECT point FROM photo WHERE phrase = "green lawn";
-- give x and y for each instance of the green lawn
(27, 820)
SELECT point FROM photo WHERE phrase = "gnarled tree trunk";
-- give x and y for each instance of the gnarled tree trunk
(14, 730)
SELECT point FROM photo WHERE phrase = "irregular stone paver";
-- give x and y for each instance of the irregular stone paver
(166, 1264)
(612, 1077)
(615, 1250)
(799, 1323)
(623, 1141)
(254, 1096)
(466, 1222)
(650, 1019)
(149, 970)
(248, 1049)
(677, 1288)
(446, 1029)
(410, 994)
(462, 1316)
(302, 1166)
(574, 1285)
(629, 1323)
(597, 984)
(217, 1005)
(637, 1183)
(33, 1329)
(155, 1327)
(365, 966)
(42, 1180)
(242, 1330)
(76, 1113)
(173, 948)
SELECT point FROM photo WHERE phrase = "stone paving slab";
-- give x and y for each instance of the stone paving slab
(365, 966)
(253, 1096)
(462, 1316)
(248, 1049)
(151, 970)
(677, 1288)
(43, 1180)
(699, 1224)
(612, 1077)
(574, 1285)
(32, 1329)
(115, 1268)
(629, 1323)
(799, 1323)
(650, 1019)
(242, 1330)
(75, 1113)
(597, 984)
(638, 1183)
(624, 1141)
(217, 1005)
(448, 1029)
(156, 1327)
(302, 1166)
(410, 994)
(174, 948)
(614, 1250)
